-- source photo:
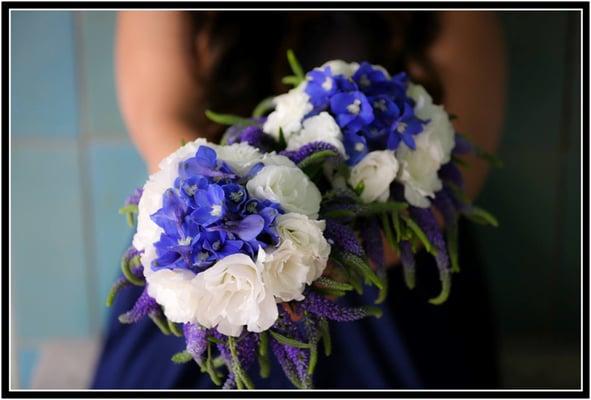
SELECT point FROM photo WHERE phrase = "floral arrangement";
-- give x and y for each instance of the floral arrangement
(244, 247)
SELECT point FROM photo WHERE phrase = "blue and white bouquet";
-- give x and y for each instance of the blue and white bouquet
(245, 246)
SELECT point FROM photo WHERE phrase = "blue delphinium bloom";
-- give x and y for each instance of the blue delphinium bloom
(352, 110)
(208, 215)
(404, 127)
(320, 87)
(372, 80)
(355, 146)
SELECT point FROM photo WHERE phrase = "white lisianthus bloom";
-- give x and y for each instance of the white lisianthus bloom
(285, 272)
(340, 67)
(290, 109)
(173, 290)
(239, 156)
(306, 236)
(376, 171)
(289, 187)
(231, 294)
(319, 128)
(418, 168)
(278, 160)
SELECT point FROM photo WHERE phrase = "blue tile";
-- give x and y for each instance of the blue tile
(101, 115)
(48, 255)
(27, 361)
(44, 94)
(116, 170)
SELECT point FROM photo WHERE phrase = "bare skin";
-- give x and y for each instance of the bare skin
(158, 91)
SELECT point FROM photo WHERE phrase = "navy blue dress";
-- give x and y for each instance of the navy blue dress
(413, 345)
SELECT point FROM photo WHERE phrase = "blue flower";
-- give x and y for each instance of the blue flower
(211, 205)
(352, 111)
(355, 146)
(404, 127)
(320, 87)
(208, 215)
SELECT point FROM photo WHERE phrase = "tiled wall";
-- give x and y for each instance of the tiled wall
(72, 166)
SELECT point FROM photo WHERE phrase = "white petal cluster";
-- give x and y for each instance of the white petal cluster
(418, 168)
(287, 186)
(376, 171)
(290, 109)
(321, 127)
(300, 258)
(237, 291)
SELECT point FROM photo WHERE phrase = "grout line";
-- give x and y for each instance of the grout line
(87, 216)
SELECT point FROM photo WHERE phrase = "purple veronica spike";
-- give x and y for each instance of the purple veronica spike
(247, 348)
(462, 146)
(196, 339)
(372, 241)
(230, 382)
(445, 204)
(426, 221)
(450, 172)
(284, 360)
(137, 270)
(142, 307)
(343, 236)
(135, 197)
(322, 307)
(299, 359)
(307, 150)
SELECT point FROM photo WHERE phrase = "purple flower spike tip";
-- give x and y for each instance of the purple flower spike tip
(142, 307)
(343, 237)
(307, 150)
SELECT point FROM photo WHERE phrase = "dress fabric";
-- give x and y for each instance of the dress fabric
(414, 345)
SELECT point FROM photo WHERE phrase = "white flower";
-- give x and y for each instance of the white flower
(231, 294)
(151, 201)
(376, 170)
(300, 258)
(173, 290)
(277, 160)
(306, 235)
(239, 156)
(321, 127)
(340, 67)
(418, 168)
(285, 273)
(289, 187)
(290, 108)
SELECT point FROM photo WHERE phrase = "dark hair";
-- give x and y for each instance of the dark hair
(243, 53)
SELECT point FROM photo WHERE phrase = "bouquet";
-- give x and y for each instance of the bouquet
(244, 247)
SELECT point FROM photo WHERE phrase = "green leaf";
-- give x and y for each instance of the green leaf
(396, 224)
(210, 369)
(358, 264)
(316, 158)
(326, 339)
(295, 65)
(452, 245)
(445, 278)
(263, 107)
(282, 141)
(481, 216)
(383, 293)
(114, 291)
(358, 189)
(388, 230)
(181, 357)
(327, 283)
(263, 355)
(329, 292)
(160, 322)
(291, 80)
(313, 359)
(419, 234)
(289, 341)
(174, 329)
(343, 213)
(227, 119)
(126, 269)
(409, 277)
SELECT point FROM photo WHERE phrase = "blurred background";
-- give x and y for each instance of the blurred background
(72, 165)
